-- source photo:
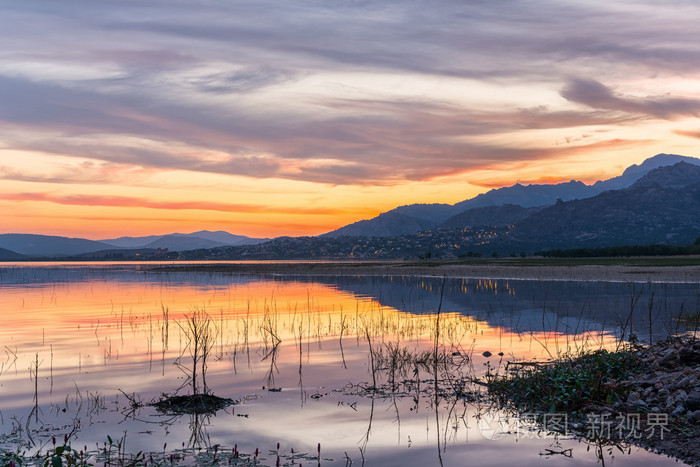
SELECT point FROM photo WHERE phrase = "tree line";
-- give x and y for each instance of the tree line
(627, 250)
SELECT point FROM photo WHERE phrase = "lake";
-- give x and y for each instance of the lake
(350, 363)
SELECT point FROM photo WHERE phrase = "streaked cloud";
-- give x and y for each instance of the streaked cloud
(594, 94)
(86, 172)
(243, 80)
(128, 202)
(690, 134)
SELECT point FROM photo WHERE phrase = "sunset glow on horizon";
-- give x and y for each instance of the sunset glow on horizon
(276, 118)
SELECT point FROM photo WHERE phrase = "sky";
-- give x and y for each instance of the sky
(268, 118)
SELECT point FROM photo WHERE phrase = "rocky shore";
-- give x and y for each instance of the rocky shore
(670, 389)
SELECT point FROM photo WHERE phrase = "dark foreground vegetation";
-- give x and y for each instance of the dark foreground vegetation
(569, 384)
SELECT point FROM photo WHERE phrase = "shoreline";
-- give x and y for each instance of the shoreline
(515, 270)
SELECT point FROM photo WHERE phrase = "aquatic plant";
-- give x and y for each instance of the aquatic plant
(201, 334)
(568, 384)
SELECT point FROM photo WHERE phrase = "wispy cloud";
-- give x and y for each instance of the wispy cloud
(375, 141)
(86, 172)
(129, 202)
(243, 80)
(690, 134)
(594, 94)
(348, 93)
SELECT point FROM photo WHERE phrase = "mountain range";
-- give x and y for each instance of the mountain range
(416, 217)
(662, 207)
(22, 246)
(657, 201)
(180, 241)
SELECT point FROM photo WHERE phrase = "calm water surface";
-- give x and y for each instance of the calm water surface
(80, 343)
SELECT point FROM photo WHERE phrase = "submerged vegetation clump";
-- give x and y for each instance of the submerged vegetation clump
(400, 371)
(569, 384)
(192, 404)
(201, 334)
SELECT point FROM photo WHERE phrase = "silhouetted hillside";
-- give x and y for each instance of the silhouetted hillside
(416, 217)
(183, 242)
(388, 224)
(635, 172)
(178, 241)
(439, 243)
(49, 246)
(500, 216)
(7, 255)
(661, 208)
(528, 195)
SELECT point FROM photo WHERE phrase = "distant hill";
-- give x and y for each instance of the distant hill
(635, 172)
(416, 217)
(439, 243)
(131, 242)
(435, 212)
(49, 246)
(226, 238)
(179, 241)
(528, 195)
(545, 195)
(7, 255)
(499, 216)
(663, 207)
(676, 176)
(388, 224)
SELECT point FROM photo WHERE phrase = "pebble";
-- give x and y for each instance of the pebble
(670, 402)
(693, 401)
(696, 416)
(681, 396)
(688, 356)
(684, 383)
(633, 398)
(680, 410)
(673, 385)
